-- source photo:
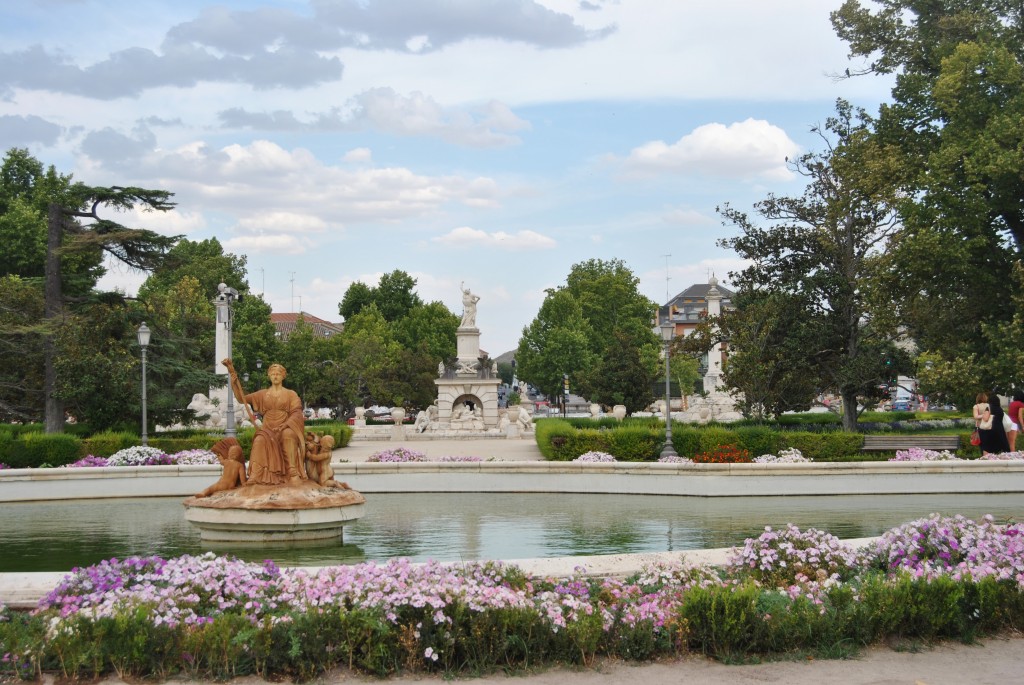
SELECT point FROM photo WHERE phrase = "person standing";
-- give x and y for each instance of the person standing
(1015, 410)
(993, 440)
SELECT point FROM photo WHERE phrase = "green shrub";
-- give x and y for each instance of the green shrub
(551, 436)
(818, 417)
(685, 439)
(635, 442)
(714, 437)
(33, 450)
(108, 442)
(967, 450)
(757, 440)
(724, 622)
(833, 446)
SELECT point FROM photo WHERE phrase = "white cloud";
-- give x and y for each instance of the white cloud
(382, 109)
(682, 216)
(171, 222)
(747, 149)
(281, 221)
(358, 155)
(464, 236)
(273, 243)
(262, 177)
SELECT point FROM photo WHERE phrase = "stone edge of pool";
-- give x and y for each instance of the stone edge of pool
(692, 480)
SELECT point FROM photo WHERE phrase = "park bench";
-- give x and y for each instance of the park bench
(891, 443)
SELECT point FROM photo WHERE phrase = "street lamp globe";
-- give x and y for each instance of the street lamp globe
(144, 335)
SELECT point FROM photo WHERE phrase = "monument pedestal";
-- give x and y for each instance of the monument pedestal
(275, 513)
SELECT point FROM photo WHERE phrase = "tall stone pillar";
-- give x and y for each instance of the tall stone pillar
(713, 379)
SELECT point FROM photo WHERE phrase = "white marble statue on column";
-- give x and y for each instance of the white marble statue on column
(469, 301)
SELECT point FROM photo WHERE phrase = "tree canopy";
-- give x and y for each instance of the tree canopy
(597, 329)
(956, 132)
(821, 253)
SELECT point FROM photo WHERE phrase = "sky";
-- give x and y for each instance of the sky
(494, 143)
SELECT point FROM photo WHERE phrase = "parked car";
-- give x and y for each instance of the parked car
(901, 405)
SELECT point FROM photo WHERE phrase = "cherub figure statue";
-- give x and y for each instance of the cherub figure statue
(318, 461)
(229, 454)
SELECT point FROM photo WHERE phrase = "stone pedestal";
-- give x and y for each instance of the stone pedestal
(275, 513)
(467, 383)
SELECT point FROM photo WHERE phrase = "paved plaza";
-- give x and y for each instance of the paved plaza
(498, 449)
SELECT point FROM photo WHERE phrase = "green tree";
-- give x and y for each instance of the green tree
(358, 296)
(68, 235)
(580, 327)
(768, 367)
(683, 370)
(97, 367)
(422, 335)
(430, 328)
(21, 359)
(370, 352)
(394, 296)
(205, 261)
(254, 337)
(955, 123)
(824, 249)
(558, 341)
(625, 373)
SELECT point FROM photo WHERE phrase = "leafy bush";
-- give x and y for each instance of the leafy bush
(835, 446)
(685, 439)
(715, 436)
(635, 442)
(757, 439)
(108, 442)
(34, 449)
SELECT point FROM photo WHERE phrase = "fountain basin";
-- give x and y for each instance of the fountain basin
(263, 513)
(272, 525)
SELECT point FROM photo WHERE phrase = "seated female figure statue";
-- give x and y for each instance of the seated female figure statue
(278, 448)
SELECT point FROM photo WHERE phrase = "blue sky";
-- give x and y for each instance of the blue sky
(496, 142)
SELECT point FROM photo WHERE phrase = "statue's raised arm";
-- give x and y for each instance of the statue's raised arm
(237, 390)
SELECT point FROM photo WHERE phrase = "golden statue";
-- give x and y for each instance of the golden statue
(278, 450)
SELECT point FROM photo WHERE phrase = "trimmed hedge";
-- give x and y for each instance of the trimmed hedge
(35, 449)
(29, 447)
(822, 446)
(561, 440)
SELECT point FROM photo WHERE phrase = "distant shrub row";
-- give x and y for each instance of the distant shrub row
(642, 440)
(33, 448)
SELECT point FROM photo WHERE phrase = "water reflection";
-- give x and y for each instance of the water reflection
(56, 536)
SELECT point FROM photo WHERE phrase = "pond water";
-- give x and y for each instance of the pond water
(56, 536)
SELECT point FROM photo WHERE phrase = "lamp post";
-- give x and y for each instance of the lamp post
(225, 298)
(259, 376)
(668, 330)
(143, 336)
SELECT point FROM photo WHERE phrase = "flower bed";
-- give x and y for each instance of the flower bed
(790, 456)
(595, 457)
(785, 591)
(147, 456)
(399, 455)
(725, 454)
(921, 454)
